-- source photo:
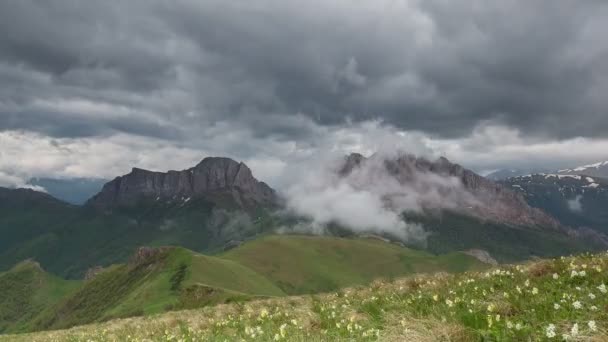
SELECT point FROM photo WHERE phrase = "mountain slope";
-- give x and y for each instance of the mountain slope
(307, 264)
(156, 280)
(25, 290)
(213, 178)
(599, 169)
(503, 174)
(222, 204)
(461, 210)
(577, 201)
(541, 300)
(168, 278)
(442, 185)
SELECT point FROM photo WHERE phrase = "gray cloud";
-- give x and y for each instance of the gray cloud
(435, 66)
(272, 82)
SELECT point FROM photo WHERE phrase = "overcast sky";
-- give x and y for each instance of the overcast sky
(93, 88)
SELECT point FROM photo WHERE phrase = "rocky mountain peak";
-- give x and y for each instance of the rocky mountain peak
(212, 177)
(441, 184)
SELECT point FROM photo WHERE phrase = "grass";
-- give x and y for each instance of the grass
(546, 300)
(173, 278)
(27, 289)
(311, 264)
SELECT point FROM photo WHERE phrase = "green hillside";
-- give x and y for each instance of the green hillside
(67, 239)
(25, 290)
(170, 278)
(156, 280)
(451, 232)
(308, 264)
(544, 300)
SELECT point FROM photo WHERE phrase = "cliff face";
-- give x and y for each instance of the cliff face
(211, 177)
(474, 195)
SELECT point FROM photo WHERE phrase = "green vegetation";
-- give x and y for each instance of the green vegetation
(452, 232)
(67, 240)
(310, 264)
(156, 280)
(24, 291)
(546, 300)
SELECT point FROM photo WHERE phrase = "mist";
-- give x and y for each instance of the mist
(369, 197)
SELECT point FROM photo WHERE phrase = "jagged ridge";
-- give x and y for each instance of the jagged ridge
(213, 175)
(492, 201)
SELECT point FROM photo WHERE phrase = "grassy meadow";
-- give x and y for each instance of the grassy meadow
(546, 300)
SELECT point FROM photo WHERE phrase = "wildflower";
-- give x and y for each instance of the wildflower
(573, 274)
(518, 326)
(593, 308)
(556, 306)
(602, 288)
(535, 291)
(436, 298)
(551, 331)
(555, 276)
(449, 303)
(574, 330)
(582, 273)
(592, 326)
(591, 296)
(577, 305)
(491, 307)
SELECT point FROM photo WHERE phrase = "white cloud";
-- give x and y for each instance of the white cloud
(278, 160)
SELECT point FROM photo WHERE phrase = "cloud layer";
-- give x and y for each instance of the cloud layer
(145, 83)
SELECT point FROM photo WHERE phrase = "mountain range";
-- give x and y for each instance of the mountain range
(84, 254)
(599, 169)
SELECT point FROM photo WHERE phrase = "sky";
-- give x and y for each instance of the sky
(94, 88)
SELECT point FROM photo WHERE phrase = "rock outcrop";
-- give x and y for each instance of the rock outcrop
(211, 178)
(445, 185)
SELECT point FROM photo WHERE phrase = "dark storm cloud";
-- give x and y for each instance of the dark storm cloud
(174, 70)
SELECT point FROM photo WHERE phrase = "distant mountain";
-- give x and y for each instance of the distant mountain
(213, 205)
(508, 173)
(599, 169)
(72, 190)
(218, 204)
(462, 210)
(433, 182)
(213, 179)
(577, 201)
